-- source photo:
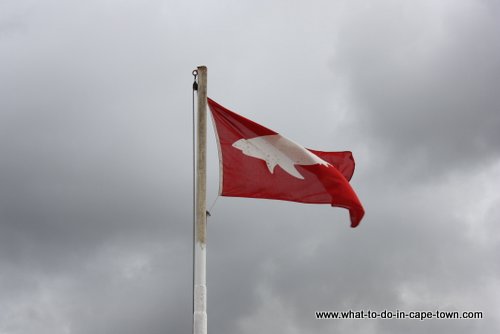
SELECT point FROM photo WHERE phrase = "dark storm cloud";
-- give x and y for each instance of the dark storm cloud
(424, 80)
(412, 255)
(95, 164)
(86, 167)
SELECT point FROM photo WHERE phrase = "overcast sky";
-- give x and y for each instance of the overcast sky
(96, 160)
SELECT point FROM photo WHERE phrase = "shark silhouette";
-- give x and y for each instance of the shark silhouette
(278, 150)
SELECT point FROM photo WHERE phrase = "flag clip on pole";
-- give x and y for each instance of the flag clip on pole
(200, 224)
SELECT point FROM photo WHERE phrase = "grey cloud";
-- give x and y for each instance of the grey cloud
(423, 81)
(95, 164)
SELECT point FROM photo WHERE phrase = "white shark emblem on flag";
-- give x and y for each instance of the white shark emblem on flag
(281, 151)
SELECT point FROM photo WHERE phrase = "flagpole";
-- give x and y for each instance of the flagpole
(200, 231)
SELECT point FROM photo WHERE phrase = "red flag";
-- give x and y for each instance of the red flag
(257, 162)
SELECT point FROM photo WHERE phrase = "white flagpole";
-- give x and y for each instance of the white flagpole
(200, 228)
